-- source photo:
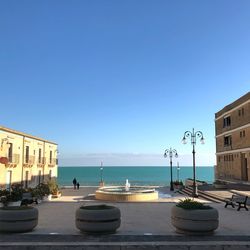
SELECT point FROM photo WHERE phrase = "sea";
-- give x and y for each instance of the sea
(141, 176)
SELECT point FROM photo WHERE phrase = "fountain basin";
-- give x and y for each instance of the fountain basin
(119, 193)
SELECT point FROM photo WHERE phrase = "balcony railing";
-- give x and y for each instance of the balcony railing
(41, 161)
(13, 160)
(52, 162)
(29, 161)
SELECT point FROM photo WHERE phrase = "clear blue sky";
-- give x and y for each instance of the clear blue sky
(121, 81)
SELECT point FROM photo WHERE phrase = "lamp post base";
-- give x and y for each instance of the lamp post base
(171, 186)
(195, 191)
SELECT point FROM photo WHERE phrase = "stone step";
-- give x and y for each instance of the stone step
(189, 191)
(122, 242)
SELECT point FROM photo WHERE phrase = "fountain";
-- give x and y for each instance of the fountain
(126, 193)
(127, 186)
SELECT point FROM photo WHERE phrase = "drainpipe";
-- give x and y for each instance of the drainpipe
(43, 158)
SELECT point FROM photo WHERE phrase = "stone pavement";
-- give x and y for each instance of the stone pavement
(138, 218)
(144, 225)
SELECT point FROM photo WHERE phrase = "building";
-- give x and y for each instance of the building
(26, 159)
(232, 125)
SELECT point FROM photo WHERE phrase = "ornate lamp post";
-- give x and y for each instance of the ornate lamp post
(170, 152)
(193, 136)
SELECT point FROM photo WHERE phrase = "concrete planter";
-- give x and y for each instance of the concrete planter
(194, 221)
(57, 195)
(178, 186)
(98, 219)
(14, 203)
(47, 197)
(18, 219)
(220, 186)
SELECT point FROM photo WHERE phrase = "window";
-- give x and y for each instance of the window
(226, 121)
(242, 134)
(242, 111)
(239, 112)
(227, 140)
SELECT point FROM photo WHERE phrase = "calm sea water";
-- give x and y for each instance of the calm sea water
(90, 176)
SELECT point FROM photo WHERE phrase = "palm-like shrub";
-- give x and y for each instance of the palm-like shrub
(53, 186)
(191, 204)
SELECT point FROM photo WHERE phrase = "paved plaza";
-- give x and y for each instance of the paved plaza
(137, 218)
(144, 225)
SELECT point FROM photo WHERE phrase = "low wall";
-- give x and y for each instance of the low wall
(102, 195)
(189, 182)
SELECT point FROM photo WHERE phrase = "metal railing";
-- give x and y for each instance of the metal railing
(41, 161)
(52, 162)
(29, 159)
(14, 159)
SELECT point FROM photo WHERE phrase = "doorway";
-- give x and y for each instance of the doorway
(244, 169)
(26, 185)
(8, 179)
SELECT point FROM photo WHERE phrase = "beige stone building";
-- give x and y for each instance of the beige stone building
(26, 159)
(232, 125)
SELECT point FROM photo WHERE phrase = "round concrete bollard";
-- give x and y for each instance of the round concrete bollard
(18, 219)
(98, 219)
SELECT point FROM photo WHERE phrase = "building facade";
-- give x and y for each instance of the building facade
(232, 127)
(26, 159)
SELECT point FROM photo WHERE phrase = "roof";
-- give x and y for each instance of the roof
(234, 104)
(24, 134)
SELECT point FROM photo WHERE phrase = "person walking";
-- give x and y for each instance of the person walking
(74, 183)
(78, 185)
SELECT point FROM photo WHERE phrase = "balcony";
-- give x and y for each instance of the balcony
(52, 162)
(13, 160)
(41, 161)
(29, 161)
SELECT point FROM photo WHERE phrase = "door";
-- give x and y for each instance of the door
(10, 155)
(8, 179)
(39, 176)
(26, 179)
(40, 155)
(50, 157)
(27, 149)
(244, 170)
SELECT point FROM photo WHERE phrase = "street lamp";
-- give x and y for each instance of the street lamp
(178, 172)
(101, 172)
(170, 152)
(193, 136)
